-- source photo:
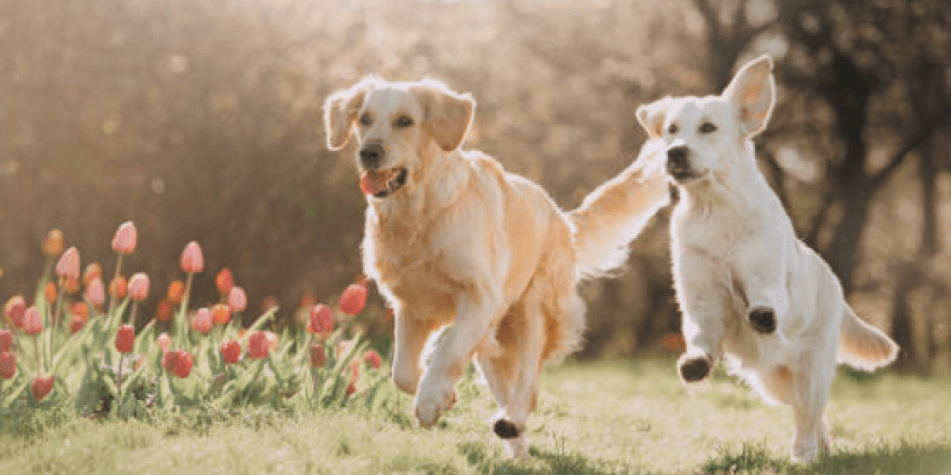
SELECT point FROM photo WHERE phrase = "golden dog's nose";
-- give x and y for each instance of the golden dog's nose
(371, 155)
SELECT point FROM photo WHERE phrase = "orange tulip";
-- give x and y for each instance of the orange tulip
(163, 311)
(118, 288)
(224, 281)
(49, 291)
(70, 286)
(176, 292)
(53, 243)
(220, 314)
(91, 271)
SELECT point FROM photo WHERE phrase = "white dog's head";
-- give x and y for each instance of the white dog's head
(395, 124)
(706, 135)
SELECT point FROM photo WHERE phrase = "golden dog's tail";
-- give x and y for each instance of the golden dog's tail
(863, 346)
(615, 213)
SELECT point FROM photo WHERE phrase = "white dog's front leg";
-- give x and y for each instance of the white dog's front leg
(474, 316)
(704, 301)
(763, 280)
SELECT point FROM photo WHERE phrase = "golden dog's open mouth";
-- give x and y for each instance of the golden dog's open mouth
(382, 183)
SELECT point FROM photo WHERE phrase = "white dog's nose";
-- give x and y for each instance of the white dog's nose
(678, 161)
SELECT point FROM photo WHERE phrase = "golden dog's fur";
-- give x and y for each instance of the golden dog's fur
(459, 242)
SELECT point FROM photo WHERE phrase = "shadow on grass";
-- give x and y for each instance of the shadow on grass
(541, 463)
(905, 458)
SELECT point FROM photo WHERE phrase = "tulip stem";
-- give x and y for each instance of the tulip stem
(36, 347)
(119, 378)
(112, 295)
(135, 309)
(59, 300)
(183, 320)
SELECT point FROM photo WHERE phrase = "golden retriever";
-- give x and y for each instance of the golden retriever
(748, 288)
(451, 239)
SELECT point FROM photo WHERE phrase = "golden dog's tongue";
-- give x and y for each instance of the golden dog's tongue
(374, 182)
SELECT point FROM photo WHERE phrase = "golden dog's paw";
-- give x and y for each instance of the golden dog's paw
(431, 403)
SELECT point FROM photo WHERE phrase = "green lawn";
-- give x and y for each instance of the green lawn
(607, 417)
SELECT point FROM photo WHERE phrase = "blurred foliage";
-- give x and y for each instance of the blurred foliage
(201, 120)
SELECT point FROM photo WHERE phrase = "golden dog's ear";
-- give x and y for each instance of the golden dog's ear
(652, 116)
(753, 92)
(448, 114)
(340, 110)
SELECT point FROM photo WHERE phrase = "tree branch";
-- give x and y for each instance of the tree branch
(914, 141)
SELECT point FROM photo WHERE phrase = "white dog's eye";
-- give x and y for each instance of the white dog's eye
(707, 128)
(403, 121)
(672, 129)
(365, 119)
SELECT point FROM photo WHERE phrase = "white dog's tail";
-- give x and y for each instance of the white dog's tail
(863, 346)
(615, 213)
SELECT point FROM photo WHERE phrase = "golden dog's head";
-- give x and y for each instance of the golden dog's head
(395, 125)
(706, 135)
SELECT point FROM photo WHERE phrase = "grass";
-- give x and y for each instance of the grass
(598, 418)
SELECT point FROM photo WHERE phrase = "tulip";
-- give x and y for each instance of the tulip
(268, 303)
(372, 359)
(139, 287)
(42, 386)
(125, 239)
(351, 389)
(353, 299)
(321, 320)
(14, 310)
(163, 311)
(224, 281)
(118, 288)
(96, 293)
(68, 265)
(164, 342)
(125, 338)
(91, 272)
(176, 292)
(53, 243)
(178, 362)
(192, 261)
(258, 345)
(8, 364)
(81, 310)
(6, 340)
(221, 313)
(202, 321)
(71, 286)
(230, 351)
(49, 291)
(32, 322)
(237, 299)
(318, 355)
(307, 300)
(77, 323)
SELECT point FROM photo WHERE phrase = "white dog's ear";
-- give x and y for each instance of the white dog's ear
(753, 92)
(652, 116)
(448, 114)
(340, 110)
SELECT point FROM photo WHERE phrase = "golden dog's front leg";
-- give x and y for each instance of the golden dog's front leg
(474, 317)
(411, 334)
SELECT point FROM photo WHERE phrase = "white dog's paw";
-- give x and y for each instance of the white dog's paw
(763, 320)
(694, 368)
(431, 402)
(516, 448)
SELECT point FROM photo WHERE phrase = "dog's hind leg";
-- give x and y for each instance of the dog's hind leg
(811, 384)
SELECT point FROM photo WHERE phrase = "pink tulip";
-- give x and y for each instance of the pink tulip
(68, 265)
(164, 342)
(258, 345)
(14, 310)
(321, 320)
(192, 261)
(6, 340)
(32, 322)
(125, 238)
(202, 322)
(139, 286)
(8, 364)
(96, 292)
(237, 299)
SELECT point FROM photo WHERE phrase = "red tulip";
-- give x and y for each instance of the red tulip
(125, 338)
(125, 239)
(258, 345)
(163, 311)
(139, 286)
(373, 359)
(14, 310)
(8, 364)
(318, 355)
(6, 340)
(164, 342)
(221, 313)
(351, 389)
(237, 299)
(230, 351)
(92, 271)
(321, 320)
(77, 323)
(118, 287)
(192, 261)
(353, 299)
(42, 386)
(68, 265)
(53, 243)
(224, 281)
(32, 322)
(96, 292)
(202, 321)
(178, 362)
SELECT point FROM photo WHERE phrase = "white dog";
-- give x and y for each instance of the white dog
(747, 287)
(452, 239)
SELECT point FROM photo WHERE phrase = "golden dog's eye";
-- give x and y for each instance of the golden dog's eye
(707, 128)
(672, 129)
(403, 121)
(365, 119)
